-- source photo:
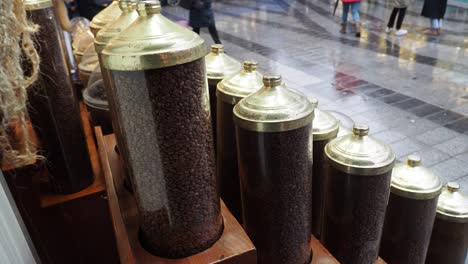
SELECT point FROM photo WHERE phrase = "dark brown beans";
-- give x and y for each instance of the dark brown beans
(318, 184)
(164, 118)
(276, 183)
(449, 242)
(354, 215)
(55, 113)
(212, 92)
(407, 230)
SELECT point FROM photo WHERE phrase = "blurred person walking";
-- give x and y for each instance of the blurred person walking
(435, 11)
(201, 15)
(399, 8)
(354, 5)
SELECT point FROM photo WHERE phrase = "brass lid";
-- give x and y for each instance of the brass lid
(360, 153)
(452, 204)
(108, 14)
(152, 42)
(219, 65)
(128, 15)
(232, 89)
(411, 180)
(30, 5)
(89, 60)
(274, 108)
(325, 126)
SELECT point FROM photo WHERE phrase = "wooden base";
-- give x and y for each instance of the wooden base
(233, 247)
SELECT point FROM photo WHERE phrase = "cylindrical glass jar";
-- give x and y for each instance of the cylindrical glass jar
(89, 62)
(95, 99)
(449, 240)
(410, 213)
(230, 91)
(357, 188)
(273, 129)
(218, 66)
(158, 88)
(54, 108)
(325, 128)
(107, 15)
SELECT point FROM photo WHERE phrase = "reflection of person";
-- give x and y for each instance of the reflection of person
(354, 5)
(201, 15)
(399, 8)
(435, 11)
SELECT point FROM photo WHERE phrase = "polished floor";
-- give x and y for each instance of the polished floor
(412, 91)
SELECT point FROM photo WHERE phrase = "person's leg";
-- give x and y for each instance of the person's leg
(391, 21)
(214, 34)
(196, 30)
(401, 17)
(434, 23)
(355, 11)
(344, 16)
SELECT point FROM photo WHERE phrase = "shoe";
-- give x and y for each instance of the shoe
(388, 30)
(358, 29)
(432, 32)
(343, 28)
(401, 32)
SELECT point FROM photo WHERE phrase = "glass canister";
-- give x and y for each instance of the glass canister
(89, 61)
(160, 97)
(273, 131)
(107, 15)
(325, 128)
(230, 91)
(449, 240)
(54, 108)
(218, 66)
(357, 190)
(410, 213)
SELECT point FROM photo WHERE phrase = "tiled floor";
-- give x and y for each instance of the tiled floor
(412, 91)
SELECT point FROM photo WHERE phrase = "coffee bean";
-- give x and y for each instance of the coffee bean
(54, 110)
(319, 172)
(164, 117)
(354, 215)
(407, 229)
(276, 183)
(449, 242)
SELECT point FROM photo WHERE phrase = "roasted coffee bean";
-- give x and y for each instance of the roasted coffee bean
(354, 215)
(276, 183)
(212, 92)
(99, 116)
(227, 172)
(407, 229)
(449, 242)
(54, 110)
(167, 144)
(319, 172)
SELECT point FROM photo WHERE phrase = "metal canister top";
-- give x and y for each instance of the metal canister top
(36, 4)
(220, 65)
(107, 15)
(360, 153)
(411, 180)
(152, 42)
(274, 108)
(452, 204)
(125, 19)
(325, 126)
(232, 89)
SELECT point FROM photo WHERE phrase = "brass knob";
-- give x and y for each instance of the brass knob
(272, 80)
(127, 5)
(250, 66)
(314, 102)
(453, 187)
(148, 7)
(217, 48)
(414, 160)
(360, 130)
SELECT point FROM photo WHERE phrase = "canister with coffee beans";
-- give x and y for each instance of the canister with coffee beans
(449, 240)
(324, 128)
(273, 131)
(54, 108)
(229, 92)
(357, 189)
(159, 91)
(107, 15)
(410, 213)
(219, 65)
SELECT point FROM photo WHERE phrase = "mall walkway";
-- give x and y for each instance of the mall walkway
(412, 91)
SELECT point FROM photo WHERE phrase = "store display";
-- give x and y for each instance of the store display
(95, 99)
(273, 128)
(108, 14)
(325, 128)
(229, 92)
(81, 37)
(410, 213)
(357, 190)
(158, 87)
(54, 108)
(218, 66)
(449, 240)
(89, 62)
